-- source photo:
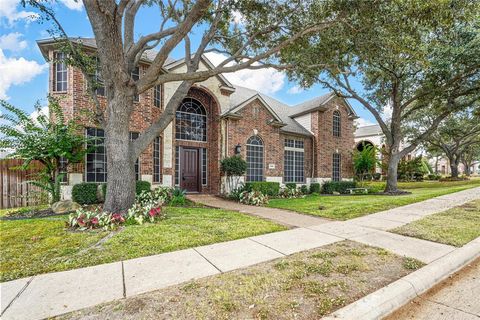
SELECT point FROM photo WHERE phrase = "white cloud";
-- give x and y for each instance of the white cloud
(360, 122)
(9, 10)
(16, 71)
(238, 17)
(42, 111)
(266, 80)
(12, 42)
(73, 5)
(295, 90)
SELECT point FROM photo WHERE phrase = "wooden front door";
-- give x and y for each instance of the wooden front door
(189, 179)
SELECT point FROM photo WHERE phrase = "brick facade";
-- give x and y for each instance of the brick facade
(224, 133)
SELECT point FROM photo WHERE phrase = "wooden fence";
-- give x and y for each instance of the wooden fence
(16, 191)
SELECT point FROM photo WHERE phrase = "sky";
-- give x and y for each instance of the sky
(24, 71)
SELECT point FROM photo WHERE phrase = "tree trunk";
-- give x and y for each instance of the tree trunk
(454, 169)
(120, 161)
(392, 180)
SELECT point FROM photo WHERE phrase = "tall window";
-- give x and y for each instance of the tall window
(157, 96)
(60, 79)
(177, 166)
(191, 121)
(134, 136)
(294, 161)
(98, 80)
(135, 77)
(336, 167)
(157, 176)
(63, 165)
(96, 160)
(336, 124)
(254, 159)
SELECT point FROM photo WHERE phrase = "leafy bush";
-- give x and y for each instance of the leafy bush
(288, 193)
(235, 193)
(433, 176)
(104, 190)
(255, 198)
(304, 189)
(315, 187)
(377, 176)
(84, 220)
(85, 193)
(364, 162)
(139, 213)
(141, 185)
(338, 186)
(233, 167)
(291, 185)
(270, 189)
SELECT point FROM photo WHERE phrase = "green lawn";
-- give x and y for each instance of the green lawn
(347, 207)
(35, 246)
(456, 226)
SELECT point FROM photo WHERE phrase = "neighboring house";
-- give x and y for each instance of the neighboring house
(442, 166)
(309, 142)
(371, 135)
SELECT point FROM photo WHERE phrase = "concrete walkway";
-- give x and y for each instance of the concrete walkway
(284, 217)
(456, 298)
(52, 294)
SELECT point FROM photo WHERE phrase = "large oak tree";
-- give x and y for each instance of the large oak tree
(266, 28)
(401, 58)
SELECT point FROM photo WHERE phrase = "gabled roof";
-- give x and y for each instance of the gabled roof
(175, 64)
(242, 96)
(367, 131)
(318, 103)
(147, 57)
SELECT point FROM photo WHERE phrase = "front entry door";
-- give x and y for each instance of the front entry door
(189, 170)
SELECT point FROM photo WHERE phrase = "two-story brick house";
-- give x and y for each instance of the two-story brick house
(305, 143)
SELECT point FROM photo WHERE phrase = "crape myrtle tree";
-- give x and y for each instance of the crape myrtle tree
(458, 137)
(266, 28)
(405, 57)
(46, 139)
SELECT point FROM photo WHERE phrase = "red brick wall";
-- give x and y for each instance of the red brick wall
(326, 144)
(273, 139)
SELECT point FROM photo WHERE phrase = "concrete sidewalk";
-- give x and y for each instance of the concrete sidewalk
(56, 293)
(285, 217)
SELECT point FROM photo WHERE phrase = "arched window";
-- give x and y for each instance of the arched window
(254, 159)
(191, 121)
(336, 124)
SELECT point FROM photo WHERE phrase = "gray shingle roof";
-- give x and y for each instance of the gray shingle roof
(371, 130)
(242, 94)
(309, 105)
(147, 56)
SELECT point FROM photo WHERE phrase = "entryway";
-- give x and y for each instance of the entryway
(190, 168)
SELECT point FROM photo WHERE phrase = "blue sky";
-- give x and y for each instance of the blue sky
(24, 72)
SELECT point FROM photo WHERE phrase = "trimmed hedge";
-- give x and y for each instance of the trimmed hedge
(85, 193)
(141, 185)
(314, 187)
(338, 186)
(291, 185)
(304, 189)
(267, 188)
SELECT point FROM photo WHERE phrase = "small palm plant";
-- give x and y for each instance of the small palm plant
(364, 162)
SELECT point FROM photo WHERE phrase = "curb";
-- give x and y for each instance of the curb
(386, 300)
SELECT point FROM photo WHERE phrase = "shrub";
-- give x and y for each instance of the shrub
(139, 213)
(338, 186)
(85, 193)
(84, 220)
(235, 193)
(104, 190)
(255, 198)
(270, 189)
(304, 189)
(315, 187)
(288, 193)
(291, 185)
(141, 185)
(233, 167)
(433, 176)
(377, 176)
(178, 197)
